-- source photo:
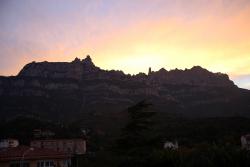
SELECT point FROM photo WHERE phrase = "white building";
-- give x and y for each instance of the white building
(171, 145)
(70, 146)
(8, 143)
(245, 142)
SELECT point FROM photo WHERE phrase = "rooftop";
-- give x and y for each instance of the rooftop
(30, 153)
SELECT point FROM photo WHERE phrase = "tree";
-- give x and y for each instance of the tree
(137, 139)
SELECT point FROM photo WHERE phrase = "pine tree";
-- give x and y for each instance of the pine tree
(137, 139)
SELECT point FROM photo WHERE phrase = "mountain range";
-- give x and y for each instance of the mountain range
(70, 90)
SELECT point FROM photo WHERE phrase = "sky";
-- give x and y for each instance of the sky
(128, 35)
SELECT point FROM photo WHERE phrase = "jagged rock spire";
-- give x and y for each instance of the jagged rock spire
(76, 60)
(88, 58)
(149, 71)
(88, 61)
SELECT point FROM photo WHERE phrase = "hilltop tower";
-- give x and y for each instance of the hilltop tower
(149, 71)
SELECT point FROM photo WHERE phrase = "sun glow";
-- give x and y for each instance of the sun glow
(176, 44)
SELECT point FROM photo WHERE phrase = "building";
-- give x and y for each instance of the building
(170, 145)
(7, 143)
(70, 146)
(245, 142)
(25, 156)
(39, 133)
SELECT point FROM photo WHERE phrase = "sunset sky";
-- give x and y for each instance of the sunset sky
(129, 35)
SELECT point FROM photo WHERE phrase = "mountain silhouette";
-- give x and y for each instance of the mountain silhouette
(67, 90)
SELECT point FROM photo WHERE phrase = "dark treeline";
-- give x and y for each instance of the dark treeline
(206, 143)
(139, 140)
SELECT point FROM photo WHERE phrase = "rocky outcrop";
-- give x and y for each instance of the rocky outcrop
(85, 69)
(75, 69)
(79, 85)
(194, 76)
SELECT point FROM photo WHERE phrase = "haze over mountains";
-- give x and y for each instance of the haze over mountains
(67, 90)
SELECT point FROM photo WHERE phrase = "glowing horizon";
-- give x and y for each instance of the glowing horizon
(129, 35)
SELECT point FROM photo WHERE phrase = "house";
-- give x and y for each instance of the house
(25, 156)
(39, 133)
(70, 146)
(245, 142)
(170, 145)
(7, 143)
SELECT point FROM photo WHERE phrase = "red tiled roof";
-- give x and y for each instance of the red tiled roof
(30, 153)
(43, 140)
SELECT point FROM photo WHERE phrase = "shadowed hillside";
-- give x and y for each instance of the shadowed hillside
(64, 91)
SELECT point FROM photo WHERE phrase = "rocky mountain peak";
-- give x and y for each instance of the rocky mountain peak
(88, 61)
(85, 68)
(75, 69)
(199, 69)
(76, 60)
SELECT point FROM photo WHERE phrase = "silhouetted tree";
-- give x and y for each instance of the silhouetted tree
(137, 139)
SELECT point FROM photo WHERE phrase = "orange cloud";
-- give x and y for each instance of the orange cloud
(215, 43)
(132, 37)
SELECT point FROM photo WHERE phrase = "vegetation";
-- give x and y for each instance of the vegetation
(208, 142)
(138, 137)
(22, 128)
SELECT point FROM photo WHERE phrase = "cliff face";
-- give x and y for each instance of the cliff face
(67, 89)
(75, 69)
(82, 69)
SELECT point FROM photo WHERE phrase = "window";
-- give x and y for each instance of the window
(19, 164)
(66, 163)
(45, 163)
